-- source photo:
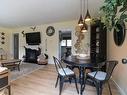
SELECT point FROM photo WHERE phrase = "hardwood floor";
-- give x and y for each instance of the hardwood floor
(41, 82)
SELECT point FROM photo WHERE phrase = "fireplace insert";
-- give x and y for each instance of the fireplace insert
(31, 55)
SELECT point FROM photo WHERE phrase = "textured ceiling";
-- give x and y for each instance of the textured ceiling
(17, 13)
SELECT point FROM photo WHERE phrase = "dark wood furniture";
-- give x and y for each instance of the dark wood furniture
(11, 63)
(4, 81)
(98, 42)
(82, 64)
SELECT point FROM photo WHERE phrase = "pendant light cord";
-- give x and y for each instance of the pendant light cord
(84, 8)
(87, 4)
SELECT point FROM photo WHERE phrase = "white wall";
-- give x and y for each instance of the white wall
(52, 41)
(117, 53)
(6, 46)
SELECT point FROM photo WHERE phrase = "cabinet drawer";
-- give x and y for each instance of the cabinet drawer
(3, 82)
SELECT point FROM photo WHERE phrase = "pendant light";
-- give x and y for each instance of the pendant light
(87, 17)
(84, 28)
(80, 22)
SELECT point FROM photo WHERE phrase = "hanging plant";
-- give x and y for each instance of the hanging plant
(114, 12)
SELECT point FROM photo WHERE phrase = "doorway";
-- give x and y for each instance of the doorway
(16, 45)
(65, 44)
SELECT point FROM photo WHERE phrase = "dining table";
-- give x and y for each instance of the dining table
(82, 64)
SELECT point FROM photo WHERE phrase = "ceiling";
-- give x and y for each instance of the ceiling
(17, 13)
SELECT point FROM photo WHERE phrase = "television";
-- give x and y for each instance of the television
(33, 38)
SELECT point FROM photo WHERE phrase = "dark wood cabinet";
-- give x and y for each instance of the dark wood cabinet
(98, 42)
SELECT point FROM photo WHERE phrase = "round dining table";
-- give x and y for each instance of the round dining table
(82, 64)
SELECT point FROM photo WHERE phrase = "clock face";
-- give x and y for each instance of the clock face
(50, 30)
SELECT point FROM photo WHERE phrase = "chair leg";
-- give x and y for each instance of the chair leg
(100, 88)
(70, 80)
(61, 84)
(57, 81)
(76, 84)
(97, 87)
(109, 88)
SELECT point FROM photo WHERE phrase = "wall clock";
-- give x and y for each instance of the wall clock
(50, 30)
(119, 35)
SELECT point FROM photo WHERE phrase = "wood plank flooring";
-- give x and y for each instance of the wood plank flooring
(42, 81)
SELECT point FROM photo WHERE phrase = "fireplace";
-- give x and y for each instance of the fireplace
(31, 55)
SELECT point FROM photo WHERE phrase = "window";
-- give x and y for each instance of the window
(66, 43)
(63, 43)
(69, 43)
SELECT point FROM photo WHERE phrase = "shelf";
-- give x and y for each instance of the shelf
(98, 41)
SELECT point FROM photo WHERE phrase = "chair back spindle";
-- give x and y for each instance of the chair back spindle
(58, 65)
(110, 67)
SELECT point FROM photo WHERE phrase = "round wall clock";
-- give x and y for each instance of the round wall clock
(50, 30)
(119, 35)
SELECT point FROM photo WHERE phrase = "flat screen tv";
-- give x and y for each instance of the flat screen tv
(33, 38)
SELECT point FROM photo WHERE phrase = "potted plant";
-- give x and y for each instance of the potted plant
(114, 12)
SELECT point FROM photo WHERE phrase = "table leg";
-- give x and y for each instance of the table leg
(9, 90)
(81, 79)
(19, 66)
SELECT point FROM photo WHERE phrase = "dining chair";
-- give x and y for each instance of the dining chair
(99, 77)
(63, 74)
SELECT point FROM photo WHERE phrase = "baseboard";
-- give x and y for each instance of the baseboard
(119, 88)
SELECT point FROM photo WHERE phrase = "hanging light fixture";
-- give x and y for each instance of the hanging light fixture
(84, 28)
(80, 22)
(87, 17)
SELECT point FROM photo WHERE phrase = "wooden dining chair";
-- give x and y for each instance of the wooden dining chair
(63, 74)
(101, 77)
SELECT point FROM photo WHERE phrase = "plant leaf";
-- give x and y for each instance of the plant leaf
(123, 8)
(124, 2)
(110, 10)
(123, 16)
(126, 20)
(119, 3)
